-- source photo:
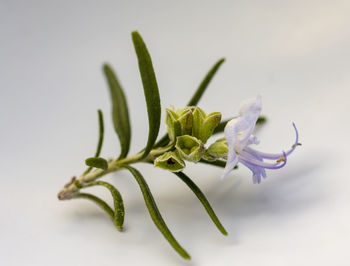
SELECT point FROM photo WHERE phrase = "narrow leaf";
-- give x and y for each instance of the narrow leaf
(97, 162)
(154, 212)
(163, 141)
(205, 82)
(98, 201)
(261, 120)
(101, 133)
(217, 163)
(120, 112)
(119, 212)
(150, 89)
(220, 128)
(100, 138)
(196, 190)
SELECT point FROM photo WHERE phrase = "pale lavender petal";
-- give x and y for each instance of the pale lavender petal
(253, 140)
(232, 160)
(238, 133)
(262, 170)
(257, 172)
(231, 130)
(244, 130)
(240, 129)
(251, 107)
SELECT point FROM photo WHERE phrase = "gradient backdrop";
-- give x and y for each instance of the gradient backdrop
(296, 54)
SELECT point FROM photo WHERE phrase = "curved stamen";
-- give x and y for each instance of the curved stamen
(265, 165)
(272, 156)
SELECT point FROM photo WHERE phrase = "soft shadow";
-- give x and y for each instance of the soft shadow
(235, 200)
(292, 191)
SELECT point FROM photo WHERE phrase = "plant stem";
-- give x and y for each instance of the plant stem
(73, 187)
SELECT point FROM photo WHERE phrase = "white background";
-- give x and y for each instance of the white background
(294, 53)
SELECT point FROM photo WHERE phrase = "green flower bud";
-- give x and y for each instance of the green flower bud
(198, 118)
(174, 126)
(189, 148)
(191, 121)
(185, 118)
(170, 161)
(218, 149)
(209, 125)
(203, 125)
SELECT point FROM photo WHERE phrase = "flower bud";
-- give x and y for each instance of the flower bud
(170, 161)
(192, 121)
(185, 118)
(189, 148)
(209, 125)
(218, 149)
(174, 126)
(204, 125)
(198, 118)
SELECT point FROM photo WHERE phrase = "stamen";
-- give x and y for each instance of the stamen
(281, 160)
(263, 164)
(272, 156)
(297, 144)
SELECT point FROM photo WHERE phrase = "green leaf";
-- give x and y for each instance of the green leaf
(100, 138)
(217, 163)
(119, 212)
(101, 133)
(154, 212)
(163, 141)
(97, 162)
(261, 120)
(205, 82)
(220, 128)
(98, 201)
(150, 89)
(120, 112)
(196, 190)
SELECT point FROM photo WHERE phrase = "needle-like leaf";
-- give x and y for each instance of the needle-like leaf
(217, 163)
(163, 141)
(98, 201)
(119, 212)
(205, 82)
(120, 112)
(154, 212)
(101, 133)
(220, 128)
(196, 190)
(150, 89)
(100, 138)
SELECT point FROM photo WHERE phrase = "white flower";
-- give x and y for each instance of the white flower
(238, 133)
